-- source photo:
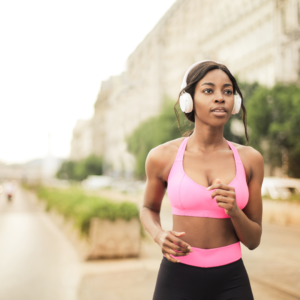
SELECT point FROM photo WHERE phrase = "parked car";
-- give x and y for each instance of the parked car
(280, 188)
(97, 182)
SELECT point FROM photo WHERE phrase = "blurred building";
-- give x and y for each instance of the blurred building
(118, 110)
(259, 40)
(32, 172)
(82, 140)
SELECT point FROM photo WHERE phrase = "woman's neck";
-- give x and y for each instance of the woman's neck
(207, 137)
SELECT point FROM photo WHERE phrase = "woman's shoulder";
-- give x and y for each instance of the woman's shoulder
(161, 152)
(162, 156)
(248, 152)
(252, 161)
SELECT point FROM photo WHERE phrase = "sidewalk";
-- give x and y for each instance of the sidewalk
(39, 263)
(273, 268)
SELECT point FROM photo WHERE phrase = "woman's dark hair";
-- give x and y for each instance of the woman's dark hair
(195, 75)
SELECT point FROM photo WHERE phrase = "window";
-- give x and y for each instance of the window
(283, 19)
(298, 9)
(299, 63)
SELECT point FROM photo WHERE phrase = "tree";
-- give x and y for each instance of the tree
(274, 119)
(66, 170)
(160, 129)
(151, 133)
(80, 170)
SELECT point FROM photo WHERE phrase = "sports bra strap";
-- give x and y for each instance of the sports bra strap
(181, 149)
(235, 153)
(240, 170)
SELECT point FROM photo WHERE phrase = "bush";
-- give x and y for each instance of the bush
(74, 204)
(80, 170)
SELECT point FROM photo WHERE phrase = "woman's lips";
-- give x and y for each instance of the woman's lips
(219, 112)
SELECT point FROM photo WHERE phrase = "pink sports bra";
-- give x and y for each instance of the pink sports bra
(189, 198)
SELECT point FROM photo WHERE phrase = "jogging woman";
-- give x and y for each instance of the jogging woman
(214, 187)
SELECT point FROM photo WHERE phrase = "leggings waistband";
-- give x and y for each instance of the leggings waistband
(207, 258)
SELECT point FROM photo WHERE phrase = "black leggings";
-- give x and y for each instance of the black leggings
(177, 281)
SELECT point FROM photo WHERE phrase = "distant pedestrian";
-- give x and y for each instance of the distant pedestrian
(214, 187)
(9, 189)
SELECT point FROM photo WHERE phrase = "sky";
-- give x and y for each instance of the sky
(53, 57)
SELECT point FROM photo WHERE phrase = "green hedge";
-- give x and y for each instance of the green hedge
(76, 205)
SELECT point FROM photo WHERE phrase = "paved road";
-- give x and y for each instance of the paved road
(38, 263)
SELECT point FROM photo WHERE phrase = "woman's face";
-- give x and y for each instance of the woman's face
(213, 98)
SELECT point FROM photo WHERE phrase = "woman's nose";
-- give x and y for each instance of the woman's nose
(219, 98)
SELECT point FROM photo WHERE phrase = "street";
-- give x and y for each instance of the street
(38, 262)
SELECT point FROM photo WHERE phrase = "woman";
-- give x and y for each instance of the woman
(214, 187)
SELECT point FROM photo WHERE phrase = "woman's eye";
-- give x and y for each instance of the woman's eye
(228, 92)
(208, 91)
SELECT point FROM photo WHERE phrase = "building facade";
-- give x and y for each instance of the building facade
(259, 40)
(82, 140)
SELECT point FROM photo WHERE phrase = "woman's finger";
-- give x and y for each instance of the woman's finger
(225, 205)
(176, 233)
(180, 243)
(222, 193)
(173, 252)
(176, 248)
(224, 199)
(171, 259)
(221, 186)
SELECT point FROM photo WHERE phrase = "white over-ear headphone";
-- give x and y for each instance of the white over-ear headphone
(186, 101)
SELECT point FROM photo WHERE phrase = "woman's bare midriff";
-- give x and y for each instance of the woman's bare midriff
(205, 233)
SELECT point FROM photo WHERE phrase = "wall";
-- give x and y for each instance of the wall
(258, 40)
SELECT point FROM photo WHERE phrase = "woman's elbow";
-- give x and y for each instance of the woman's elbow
(254, 244)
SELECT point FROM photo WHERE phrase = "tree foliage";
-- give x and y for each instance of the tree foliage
(160, 129)
(151, 133)
(80, 170)
(274, 119)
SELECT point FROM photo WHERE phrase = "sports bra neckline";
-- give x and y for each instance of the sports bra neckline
(183, 146)
(188, 198)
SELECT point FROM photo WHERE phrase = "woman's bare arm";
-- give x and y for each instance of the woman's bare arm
(247, 222)
(156, 164)
(154, 193)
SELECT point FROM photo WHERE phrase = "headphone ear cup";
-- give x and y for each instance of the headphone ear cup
(186, 102)
(237, 104)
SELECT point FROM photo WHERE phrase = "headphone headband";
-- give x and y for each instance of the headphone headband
(184, 83)
(186, 101)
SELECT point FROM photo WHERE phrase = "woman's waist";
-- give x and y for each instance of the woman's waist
(207, 258)
(200, 212)
(205, 233)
